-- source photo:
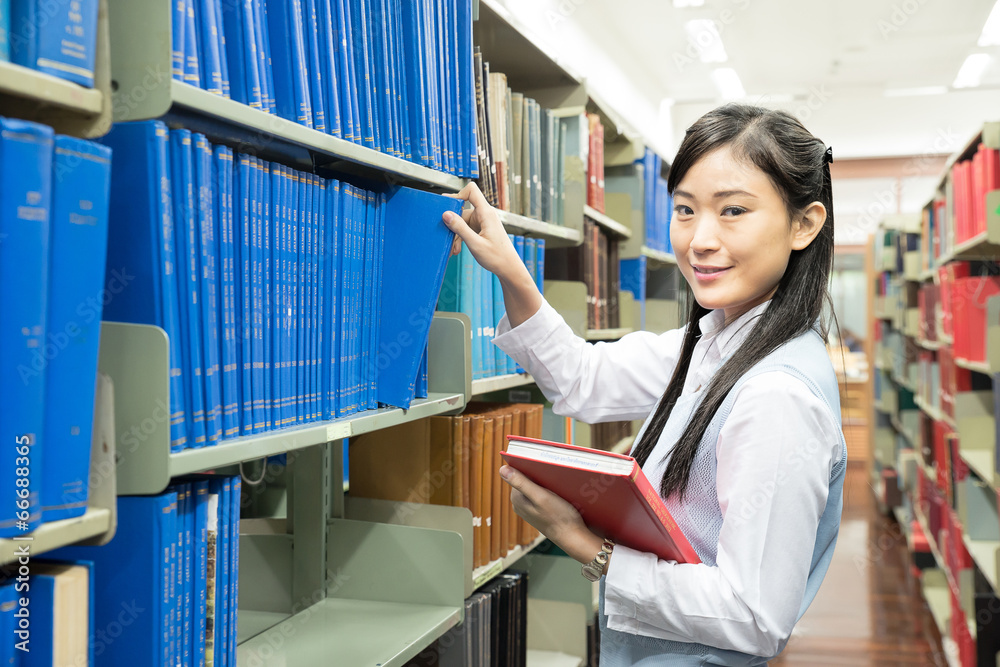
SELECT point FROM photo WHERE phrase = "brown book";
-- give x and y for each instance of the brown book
(466, 456)
(476, 485)
(614, 284)
(486, 485)
(514, 521)
(588, 273)
(405, 463)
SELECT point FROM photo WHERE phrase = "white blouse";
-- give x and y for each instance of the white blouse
(775, 454)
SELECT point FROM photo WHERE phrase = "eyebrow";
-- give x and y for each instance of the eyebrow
(718, 195)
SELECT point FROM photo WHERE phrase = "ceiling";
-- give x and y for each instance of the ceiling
(829, 63)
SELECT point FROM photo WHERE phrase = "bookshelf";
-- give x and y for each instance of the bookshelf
(935, 436)
(500, 382)
(609, 224)
(52, 535)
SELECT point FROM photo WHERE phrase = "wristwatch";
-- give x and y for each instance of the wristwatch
(593, 570)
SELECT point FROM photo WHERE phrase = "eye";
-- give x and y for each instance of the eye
(681, 209)
(733, 210)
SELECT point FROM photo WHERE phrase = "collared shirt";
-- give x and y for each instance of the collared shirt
(777, 431)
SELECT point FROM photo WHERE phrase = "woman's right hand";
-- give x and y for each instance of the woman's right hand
(480, 228)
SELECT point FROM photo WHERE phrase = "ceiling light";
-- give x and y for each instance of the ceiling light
(682, 4)
(991, 30)
(728, 83)
(704, 36)
(972, 70)
(914, 92)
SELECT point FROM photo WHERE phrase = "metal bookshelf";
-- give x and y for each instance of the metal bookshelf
(608, 223)
(55, 534)
(556, 236)
(500, 382)
(658, 256)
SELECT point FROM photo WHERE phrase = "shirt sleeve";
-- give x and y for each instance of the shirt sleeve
(775, 454)
(591, 382)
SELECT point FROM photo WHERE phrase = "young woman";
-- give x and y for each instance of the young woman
(742, 433)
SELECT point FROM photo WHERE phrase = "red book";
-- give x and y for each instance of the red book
(609, 490)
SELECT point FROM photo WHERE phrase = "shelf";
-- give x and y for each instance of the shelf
(927, 274)
(252, 623)
(902, 431)
(984, 553)
(978, 247)
(658, 256)
(500, 382)
(607, 334)
(218, 117)
(624, 445)
(537, 658)
(978, 366)
(930, 344)
(981, 462)
(485, 573)
(900, 381)
(248, 448)
(358, 632)
(49, 90)
(608, 223)
(57, 534)
(932, 412)
(556, 236)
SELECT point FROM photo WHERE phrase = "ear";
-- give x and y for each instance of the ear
(808, 226)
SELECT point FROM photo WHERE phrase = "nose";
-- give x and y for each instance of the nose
(704, 234)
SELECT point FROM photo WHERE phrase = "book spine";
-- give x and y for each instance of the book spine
(192, 64)
(314, 70)
(328, 33)
(178, 19)
(67, 40)
(208, 286)
(211, 66)
(270, 174)
(244, 337)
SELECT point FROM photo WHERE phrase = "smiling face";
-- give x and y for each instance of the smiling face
(731, 232)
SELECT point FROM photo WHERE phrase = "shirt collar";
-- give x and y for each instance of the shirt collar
(728, 338)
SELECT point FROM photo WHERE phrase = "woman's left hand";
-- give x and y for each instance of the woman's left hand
(553, 516)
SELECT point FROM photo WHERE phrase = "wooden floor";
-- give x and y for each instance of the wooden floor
(869, 611)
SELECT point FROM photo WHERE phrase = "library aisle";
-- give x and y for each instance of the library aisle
(869, 612)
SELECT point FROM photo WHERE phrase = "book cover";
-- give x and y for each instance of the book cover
(234, 571)
(211, 58)
(268, 176)
(59, 602)
(208, 287)
(66, 36)
(349, 88)
(240, 53)
(178, 19)
(226, 312)
(187, 239)
(314, 69)
(329, 38)
(362, 73)
(609, 490)
(221, 45)
(263, 52)
(244, 327)
(81, 182)
(413, 63)
(320, 358)
(26, 150)
(192, 64)
(287, 233)
(223, 599)
(184, 593)
(430, 61)
(378, 40)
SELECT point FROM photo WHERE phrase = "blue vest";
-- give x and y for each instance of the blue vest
(700, 517)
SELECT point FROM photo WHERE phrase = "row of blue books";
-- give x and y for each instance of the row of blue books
(168, 581)
(658, 206)
(53, 227)
(58, 38)
(632, 276)
(269, 283)
(469, 288)
(392, 75)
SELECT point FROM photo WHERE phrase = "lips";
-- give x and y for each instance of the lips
(710, 269)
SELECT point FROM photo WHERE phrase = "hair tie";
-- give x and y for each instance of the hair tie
(828, 157)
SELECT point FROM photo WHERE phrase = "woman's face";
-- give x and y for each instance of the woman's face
(731, 233)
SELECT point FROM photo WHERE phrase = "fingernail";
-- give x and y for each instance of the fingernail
(506, 472)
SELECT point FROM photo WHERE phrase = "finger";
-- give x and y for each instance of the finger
(456, 245)
(472, 194)
(456, 224)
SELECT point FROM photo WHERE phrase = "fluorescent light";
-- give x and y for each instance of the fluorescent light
(728, 83)
(704, 36)
(991, 29)
(972, 70)
(681, 4)
(914, 92)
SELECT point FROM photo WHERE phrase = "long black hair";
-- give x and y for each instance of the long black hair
(798, 165)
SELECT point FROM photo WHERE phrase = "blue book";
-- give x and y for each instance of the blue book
(413, 225)
(540, 264)
(328, 301)
(26, 174)
(234, 567)
(4, 40)
(199, 565)
(349, 86)
(295, 263)
(362, 73)
(67, 587)
(283, 321)
(322, 323)
(173, 586)
(486, 310)
(272, 304)
(413, 59)
(178, 20)
(421, 389)
(367, 277)
(377, 287)
(187, 239)
(224, 488)
(241, 291)
(66, 39)
(499, 356)
(192, 65)
(476, 316)
(9, 653)
(314, 68)
(311, 296)
(23, 35)
(348, 196)
(288, 51)
(256, 288)
(263, 53)
(372, 286)
(519, 244)
(78, 240)
(403, 91)
(208, 287)
(185, 520)
(131, 579)
(211, 58)
(381, 94)
(357, 296)
(241, 52)
(266, 299)
(223, 59)
(305, 285)
(226, 311)
(141, 243)
(329, 60)
(450, 78)
(466, 89)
